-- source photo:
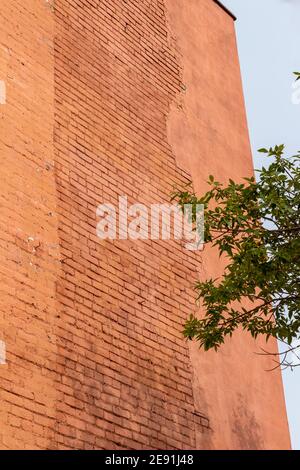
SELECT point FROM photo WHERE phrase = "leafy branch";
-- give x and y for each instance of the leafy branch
(256, 226)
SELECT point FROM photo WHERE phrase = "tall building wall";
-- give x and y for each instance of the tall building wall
(106, 99)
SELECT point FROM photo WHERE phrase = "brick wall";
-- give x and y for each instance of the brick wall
(95, 354)
(29, 253)
(122, 303)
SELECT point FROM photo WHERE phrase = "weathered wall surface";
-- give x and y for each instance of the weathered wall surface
(122, 303)
(98, 94)
(29, 250)
(207, 131)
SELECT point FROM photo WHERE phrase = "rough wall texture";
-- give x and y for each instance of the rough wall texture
(98, 94)
(29, 254)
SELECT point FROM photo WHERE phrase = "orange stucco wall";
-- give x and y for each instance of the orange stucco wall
(207, 129)
(104, 99)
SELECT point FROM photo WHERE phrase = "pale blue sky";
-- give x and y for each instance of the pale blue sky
(268, 39)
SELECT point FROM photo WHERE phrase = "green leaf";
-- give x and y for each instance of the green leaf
(255, 226)
(297, 75)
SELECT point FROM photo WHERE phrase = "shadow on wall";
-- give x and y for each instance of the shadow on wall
(245, 428)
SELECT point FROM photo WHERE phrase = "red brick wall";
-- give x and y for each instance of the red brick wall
(95, 354)
(29, 245)
(122, 303)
